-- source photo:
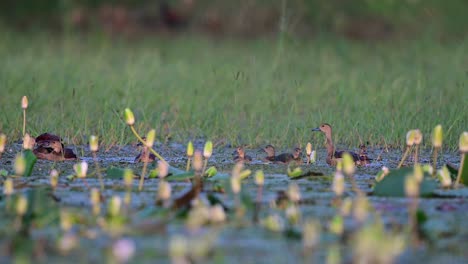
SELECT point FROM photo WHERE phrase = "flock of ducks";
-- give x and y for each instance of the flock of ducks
(50, 147)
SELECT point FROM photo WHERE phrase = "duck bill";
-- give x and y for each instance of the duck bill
(316, 129)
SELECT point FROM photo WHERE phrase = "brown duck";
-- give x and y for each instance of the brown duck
(240, 155)
(334, 155)
(145, 154)
(281, 158)
(297, 155)
(50, 147)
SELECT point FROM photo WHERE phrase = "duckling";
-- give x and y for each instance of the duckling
(50, 147)
(240, 155)
(281, 158)
(297, 156)
(145, 154)
(334, 155)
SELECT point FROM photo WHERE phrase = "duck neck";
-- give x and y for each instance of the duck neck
(329, 145)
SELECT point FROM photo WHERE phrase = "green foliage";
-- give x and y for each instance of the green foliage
(30, 162)
(393, 184)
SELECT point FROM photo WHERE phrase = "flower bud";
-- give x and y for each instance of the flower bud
(81, 169)
(129, 117)
(20, 165)
(93, 143)
(208, 150)
(128, 178)
(197, 161)
(190, 149)
(418, 137)
(53, 178)
(348, 164)
(410, 138)
(444, 177)
(411, 186)
(338, 185)
(437, 136)
(163, 169)
(114, 206)
(418, 172)
(2, 143)
(464, 142)
(294, 194)
(8, 187)
(24, 102)
(21, 205)
(164, 190)
(313, 156)
(259, 178)
(28, 141)
(308, 149)
(150, 137)
(217, 214)
(381, 175)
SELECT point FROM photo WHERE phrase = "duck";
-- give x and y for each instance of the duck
(297, 156)
(334, 155)
(240, 155)
(281, 158)
(145, 155)
(50, 147)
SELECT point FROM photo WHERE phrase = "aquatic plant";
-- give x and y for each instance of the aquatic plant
(410, 140)
(437, 137)
(147, 145)
(81, 170)
(190, 151)
(463, 170)
(24, 106)
(2, 143)
(94, 147)
(207, 152)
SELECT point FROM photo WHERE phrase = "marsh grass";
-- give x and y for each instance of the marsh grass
(189, 87)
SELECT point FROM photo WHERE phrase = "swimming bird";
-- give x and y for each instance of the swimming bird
(334, 155)
(281, 158)
(240, 155)
(50, 147)
(145, 154)
(297, 155)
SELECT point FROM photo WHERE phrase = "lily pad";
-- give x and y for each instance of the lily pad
(115, 173)
(394, 184)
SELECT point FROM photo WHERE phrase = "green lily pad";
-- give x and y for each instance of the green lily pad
(393, 184)
(181, 176)
(30, 161)
(115, 173)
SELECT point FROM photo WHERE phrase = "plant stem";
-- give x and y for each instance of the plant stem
(188, 164)
(204, 166)
(413, 221)
(143, 142)
(98, 169)
(416, 154)
(404, 157)
(462, 161)
(434, 161)
(258, 203)
(143, 171)
(24, 122)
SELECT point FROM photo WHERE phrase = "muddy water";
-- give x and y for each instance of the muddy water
(240, 240)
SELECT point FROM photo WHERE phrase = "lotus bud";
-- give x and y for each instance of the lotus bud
(163, 169)
(2, 143)
(361, 208)
(197, 161)
(339, 165)
(114, 206)
(129, 117)
(274, 223)
(334, 254)
(123, 250)
(20, 165)
(54, 178)
(8, 187)
(128, 177)
(93, 143)
(313, 156)
(418, 172)
(190, 149)
(437, 136)
(348, 164)
(178, 246)
(28, 141)
(464, 142)
(346, 206)
(311, 234)
(338, 185)
(293, 214)
(336, 225)
(235, 184)
(428, 169)
(418, 137)
(294, 194)
(444, 177)
(21, 205)
(150, 137)
(411, 186)
(95, 196)
(164, 190)
(81, 169)
(217, 214)
(308, 149)
(410, 138)
(66, 221)
(259, 178)
(24, 102)
(381, 175)
(208, 150)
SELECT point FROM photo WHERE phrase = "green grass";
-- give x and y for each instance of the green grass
(244, 92)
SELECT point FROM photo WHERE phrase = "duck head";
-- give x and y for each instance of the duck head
(297, 153)
(270, 150)
(324, 128)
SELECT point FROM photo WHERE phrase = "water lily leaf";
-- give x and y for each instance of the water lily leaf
(115, 173)
(211, 171)
(181, 176)
(394, 184)
(30, 161)
(174, 170)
